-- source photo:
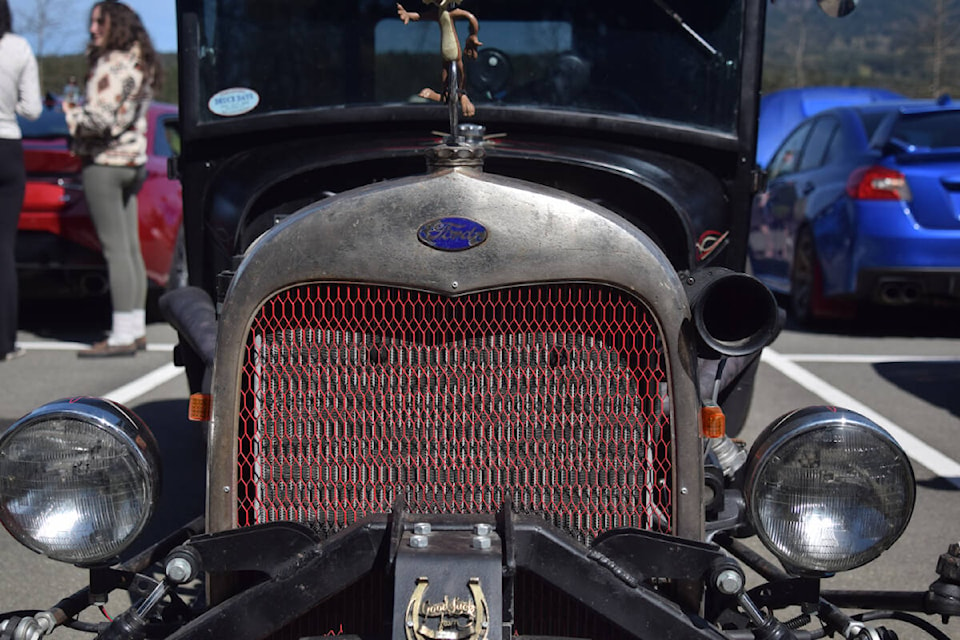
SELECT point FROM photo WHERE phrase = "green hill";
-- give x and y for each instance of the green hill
(910, 47)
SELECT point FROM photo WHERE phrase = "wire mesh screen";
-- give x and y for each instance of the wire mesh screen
(552, 396)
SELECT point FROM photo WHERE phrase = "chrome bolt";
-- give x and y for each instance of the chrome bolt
(454, 284)
(482, 529)
(729, 582)
(178, 570)
(481, 542)
(422, 528)
(419, 542)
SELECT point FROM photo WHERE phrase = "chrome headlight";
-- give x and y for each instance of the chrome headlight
(828, 490)
(78, 479)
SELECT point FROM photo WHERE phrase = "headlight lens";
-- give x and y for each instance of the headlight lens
(78, 479)
(828, 490)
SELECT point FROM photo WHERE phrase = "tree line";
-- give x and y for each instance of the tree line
(53, 27)
(55, 71)
(909, 47)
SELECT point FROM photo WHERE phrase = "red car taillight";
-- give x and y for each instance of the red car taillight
(878, 183)
(43, 196)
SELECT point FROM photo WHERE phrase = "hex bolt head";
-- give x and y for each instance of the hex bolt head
(729, 582)
(422, 528)
(419, 541)
(482, 529)
(481, 542)
(948, 565)
(178, 570)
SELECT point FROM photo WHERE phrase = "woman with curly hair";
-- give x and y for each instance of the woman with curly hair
(109, 134)
(19, 95)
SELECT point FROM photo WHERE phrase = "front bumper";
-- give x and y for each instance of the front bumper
(301, 572)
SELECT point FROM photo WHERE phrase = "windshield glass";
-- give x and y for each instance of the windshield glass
(673, 60)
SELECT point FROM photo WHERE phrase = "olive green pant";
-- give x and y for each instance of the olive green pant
(111, 194)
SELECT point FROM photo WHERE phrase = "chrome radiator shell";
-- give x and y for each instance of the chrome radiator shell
(534, 235)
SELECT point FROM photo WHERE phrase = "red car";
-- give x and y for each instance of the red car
(58, 252)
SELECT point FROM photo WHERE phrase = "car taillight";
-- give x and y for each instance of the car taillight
(44, 196)
(878, 183)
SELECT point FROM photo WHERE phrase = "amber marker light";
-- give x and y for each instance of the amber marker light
(713, 424)
(201, 407)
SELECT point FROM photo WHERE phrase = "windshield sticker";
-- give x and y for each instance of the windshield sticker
(234, 102)
(452, 234)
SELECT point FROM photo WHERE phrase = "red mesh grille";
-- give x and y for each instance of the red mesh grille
(354, 396)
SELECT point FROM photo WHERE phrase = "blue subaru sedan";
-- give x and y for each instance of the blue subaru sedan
(862, 205)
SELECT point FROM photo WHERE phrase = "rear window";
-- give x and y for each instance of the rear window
(938, 130)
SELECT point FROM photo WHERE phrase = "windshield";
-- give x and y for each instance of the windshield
(673, 60)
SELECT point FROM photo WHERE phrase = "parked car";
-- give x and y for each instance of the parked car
(862, 205)
(782, 110)
(58, 252)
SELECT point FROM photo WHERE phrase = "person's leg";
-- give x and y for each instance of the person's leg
(12, 181)
(104, 189)
(139, 272)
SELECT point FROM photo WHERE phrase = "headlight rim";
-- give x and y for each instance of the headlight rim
(135, 438)
(802, 422)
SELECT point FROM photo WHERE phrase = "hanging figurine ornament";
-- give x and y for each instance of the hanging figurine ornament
(445, 12)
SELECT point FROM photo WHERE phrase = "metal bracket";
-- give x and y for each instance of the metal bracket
(448, 584)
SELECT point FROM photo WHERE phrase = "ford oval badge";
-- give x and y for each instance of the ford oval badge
(452, 234)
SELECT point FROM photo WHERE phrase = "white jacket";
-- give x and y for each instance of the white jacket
(19, 85)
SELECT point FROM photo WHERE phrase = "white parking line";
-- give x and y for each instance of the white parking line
(863, 359)
(128, 392)
(77, 346)
(144, 384)
(919, 451)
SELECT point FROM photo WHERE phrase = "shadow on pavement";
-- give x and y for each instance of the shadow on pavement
(906, 322)
(80, 320)
(937, 383)
(75, 319)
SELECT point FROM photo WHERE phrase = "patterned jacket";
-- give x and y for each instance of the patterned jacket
(110, 128)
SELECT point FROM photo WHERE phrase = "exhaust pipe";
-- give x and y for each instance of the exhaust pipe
(899, 292)
(734, 313)
(93, 284)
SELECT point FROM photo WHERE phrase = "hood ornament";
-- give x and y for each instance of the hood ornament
(446, 13)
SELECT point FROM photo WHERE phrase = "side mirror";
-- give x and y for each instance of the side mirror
(838, 8)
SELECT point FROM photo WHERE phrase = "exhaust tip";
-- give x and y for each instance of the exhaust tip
(899, 292)
(93, 284)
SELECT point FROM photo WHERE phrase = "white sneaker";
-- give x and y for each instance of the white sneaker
(17, 352)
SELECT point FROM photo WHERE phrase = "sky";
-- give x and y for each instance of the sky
(70, 36)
